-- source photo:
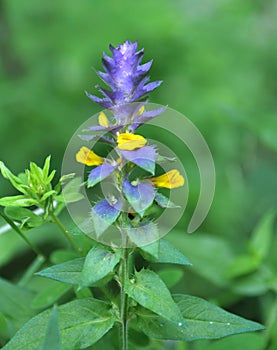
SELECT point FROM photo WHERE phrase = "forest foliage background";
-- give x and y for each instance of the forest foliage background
(218, 61)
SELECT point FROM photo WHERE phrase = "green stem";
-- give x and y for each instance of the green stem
(67, 235)
(124, 298)
(34, 267)
(21, 234)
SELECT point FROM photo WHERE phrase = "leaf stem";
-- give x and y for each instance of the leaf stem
(67, 235)
(22, 235)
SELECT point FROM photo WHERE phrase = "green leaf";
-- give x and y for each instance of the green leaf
(262, 236)
(46, 167)
(212, 255)
(138, 338)
(62, 255)
(251, 341)
(98, 264)
(171, 276)
(47, 195)
(36, 173)
(243, 264)
(24, 215)
(17, 201)
(254, 284)
(5, 328)
(52, 338)
(50, 177)
(82, 323)
(7, 174)
(202, 321)
(68, 272)
(163, 252)
(15, 304)
(150, 291)
(49, 295)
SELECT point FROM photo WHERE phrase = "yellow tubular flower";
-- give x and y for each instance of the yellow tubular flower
(129, 142)
(88, 157)
(103, 120)
(171, 179)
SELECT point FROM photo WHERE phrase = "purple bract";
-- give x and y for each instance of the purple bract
(125, 76)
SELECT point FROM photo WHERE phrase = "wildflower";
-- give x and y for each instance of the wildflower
(126, 101)
(129, 142)
(88, 157)
(104, 166)
(171, 179)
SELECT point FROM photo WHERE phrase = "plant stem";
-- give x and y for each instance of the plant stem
(22, 235)
(124, 297)
(36, 264)
(67, 235)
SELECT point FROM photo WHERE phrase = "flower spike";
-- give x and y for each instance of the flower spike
(125, 76)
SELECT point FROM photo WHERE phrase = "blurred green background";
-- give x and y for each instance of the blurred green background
(218, 61)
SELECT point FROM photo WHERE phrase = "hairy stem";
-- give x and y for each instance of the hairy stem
(124, 297)
(67, 235)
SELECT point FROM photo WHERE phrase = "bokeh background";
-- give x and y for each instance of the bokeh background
(218, 61)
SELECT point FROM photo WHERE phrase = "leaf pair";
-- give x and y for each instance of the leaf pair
(87, 271)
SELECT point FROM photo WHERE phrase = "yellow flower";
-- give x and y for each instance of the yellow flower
(171, 179)
(88, 157)
(103, 120)
(129, 142)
